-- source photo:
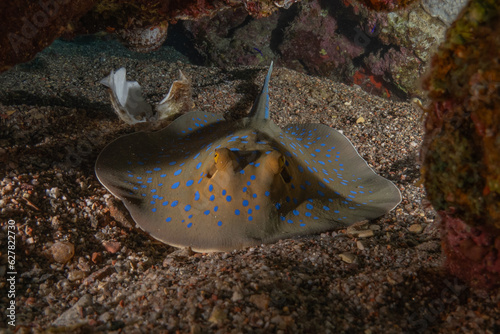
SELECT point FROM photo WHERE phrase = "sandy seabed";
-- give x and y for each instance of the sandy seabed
(381, 276)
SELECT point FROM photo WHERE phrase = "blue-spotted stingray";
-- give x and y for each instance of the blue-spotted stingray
(216, 185)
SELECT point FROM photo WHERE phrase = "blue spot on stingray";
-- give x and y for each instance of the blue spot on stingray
(153, 190)
(153, 209)
(254, 195)
(178, 172)
(207, 212)
(245, 203)
(267, 193)
(168, 219)
(295, 212)
(257, 164)
(219, 223)
(189, 225)
(224, 192)
(237, 212)
(308, 214)
(212, 197)
(175, 185)
(250, 218)
(326, 208)
(164, 203)
(249, 211)
(172, 163)
(163, 175)
(216, 208)
(278, 206)
(289, 221)
(174, 203)
(189, 183)
(198, 165)
(211, 187)
(257, 207)
(244, 189)
(309, 206)
(228, 198)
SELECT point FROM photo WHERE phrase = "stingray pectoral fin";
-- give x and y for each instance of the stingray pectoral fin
(341, 187)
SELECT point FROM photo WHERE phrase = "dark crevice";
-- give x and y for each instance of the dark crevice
(232, 31)
(286, 17)
(182, 40)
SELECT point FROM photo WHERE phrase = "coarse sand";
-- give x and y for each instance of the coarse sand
(81, 269)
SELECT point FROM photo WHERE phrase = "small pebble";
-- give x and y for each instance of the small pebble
(62, 252)
(75, 275)
(347, 257)
(260, 300)
(415, 228)
(217, 316)
(112, 246)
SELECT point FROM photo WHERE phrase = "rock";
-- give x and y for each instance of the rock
(416, 228)
(347, 257)
(62, 252)
(237, 296)
(72, 316)
(75, 275)
(462, 153)
(112, 246)
(217, 316)
(361, 233)
(99, 275)
(261, 301)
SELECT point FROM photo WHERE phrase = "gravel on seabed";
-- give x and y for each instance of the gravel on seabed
(79, 269)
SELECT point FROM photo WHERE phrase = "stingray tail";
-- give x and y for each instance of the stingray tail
(260, 109)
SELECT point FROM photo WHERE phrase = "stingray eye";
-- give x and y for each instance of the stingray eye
(281, 163)
(216, 157)
(284, 171)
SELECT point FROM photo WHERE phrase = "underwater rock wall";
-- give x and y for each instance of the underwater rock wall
(27, 27)
(355, 42)
(383, 52)
(462, 143)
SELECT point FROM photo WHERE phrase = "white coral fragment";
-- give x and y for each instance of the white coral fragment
(130, 106)
(126, 98)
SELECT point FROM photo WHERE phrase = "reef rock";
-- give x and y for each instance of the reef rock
(462, 143)
(383, 52)
(27, 27)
